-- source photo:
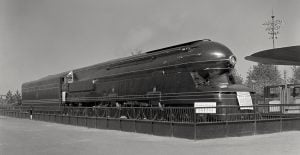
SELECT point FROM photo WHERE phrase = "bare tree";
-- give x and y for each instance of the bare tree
(17, 98)
(9, 97)
(296, 75)
(262, 75)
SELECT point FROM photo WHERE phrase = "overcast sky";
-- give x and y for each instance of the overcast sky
(43, 37)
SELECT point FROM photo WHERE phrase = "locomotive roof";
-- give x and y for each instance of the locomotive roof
(140, 56)
(128, 59)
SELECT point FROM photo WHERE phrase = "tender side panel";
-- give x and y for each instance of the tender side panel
(42, 93)
(81, 86)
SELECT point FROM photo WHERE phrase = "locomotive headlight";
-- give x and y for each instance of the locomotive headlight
(232, 60)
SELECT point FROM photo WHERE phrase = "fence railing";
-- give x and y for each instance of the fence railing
(174, 114)
(183, 122)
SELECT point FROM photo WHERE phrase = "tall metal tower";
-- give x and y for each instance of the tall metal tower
(273, 27)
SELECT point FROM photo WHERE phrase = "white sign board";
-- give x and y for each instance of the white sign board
(245, 101)
(205, 107)
(63, 96)
(273, 107)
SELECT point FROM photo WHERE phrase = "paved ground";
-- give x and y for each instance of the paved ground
(27, 137)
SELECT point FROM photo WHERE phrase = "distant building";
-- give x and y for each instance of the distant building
(2, 99)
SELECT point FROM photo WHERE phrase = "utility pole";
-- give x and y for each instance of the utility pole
(273, 27)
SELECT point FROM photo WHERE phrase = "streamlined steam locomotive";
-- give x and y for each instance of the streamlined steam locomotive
(178, 76)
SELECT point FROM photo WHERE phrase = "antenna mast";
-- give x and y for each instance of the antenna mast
(273, 27)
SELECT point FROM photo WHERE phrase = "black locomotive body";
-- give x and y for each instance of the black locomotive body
(177, 76)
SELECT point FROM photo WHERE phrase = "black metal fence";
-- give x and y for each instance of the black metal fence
(183, 122)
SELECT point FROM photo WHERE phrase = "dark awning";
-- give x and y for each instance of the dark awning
(278, 56)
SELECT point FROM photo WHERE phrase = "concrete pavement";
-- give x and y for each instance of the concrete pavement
(29, 137)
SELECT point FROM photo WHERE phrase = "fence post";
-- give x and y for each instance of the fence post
(69, 118)
(96, 117)
(171, 114)
(135, 117)
(255, 117)
(195, 124)
(226, 120)
(120, 108)
(281, 113)
(107, 117)
(152, 121)
(86, 116)
(77, 120)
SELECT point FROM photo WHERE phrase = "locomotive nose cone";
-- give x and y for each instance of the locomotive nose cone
(218, 54)
(213, 51)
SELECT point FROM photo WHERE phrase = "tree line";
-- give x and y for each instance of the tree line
(261, 75)
(12, 98)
